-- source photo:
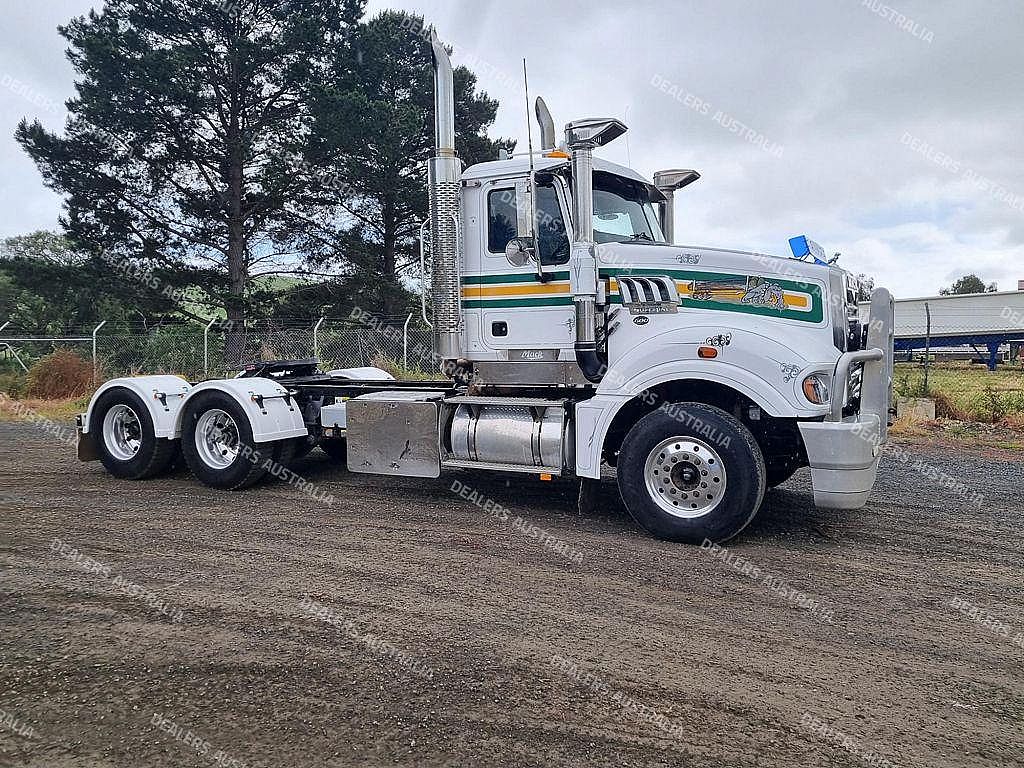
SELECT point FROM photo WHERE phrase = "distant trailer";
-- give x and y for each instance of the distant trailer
(988, 320)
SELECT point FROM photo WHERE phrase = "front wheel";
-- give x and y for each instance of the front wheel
(691, 472)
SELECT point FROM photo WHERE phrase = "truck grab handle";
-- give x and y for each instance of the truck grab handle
(842, 377)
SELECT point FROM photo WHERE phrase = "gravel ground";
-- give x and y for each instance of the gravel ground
(165, 624)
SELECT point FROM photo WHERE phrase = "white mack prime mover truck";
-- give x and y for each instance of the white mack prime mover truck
(571, 333)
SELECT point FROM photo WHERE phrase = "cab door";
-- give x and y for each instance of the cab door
(521, 317)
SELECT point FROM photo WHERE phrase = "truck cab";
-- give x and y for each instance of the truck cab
(524, 312)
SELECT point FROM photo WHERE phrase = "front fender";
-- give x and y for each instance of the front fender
(594, 417)
(273, 415)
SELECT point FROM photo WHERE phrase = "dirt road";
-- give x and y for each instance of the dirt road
(165, 624)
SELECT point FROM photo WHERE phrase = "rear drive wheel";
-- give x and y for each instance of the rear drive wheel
(217, 442)
(126, 439)
(691, 473)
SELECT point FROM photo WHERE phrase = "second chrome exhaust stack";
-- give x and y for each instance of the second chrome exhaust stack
(582, 137)
(444, 173)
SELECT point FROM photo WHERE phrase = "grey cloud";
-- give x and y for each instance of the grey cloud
(835, 85)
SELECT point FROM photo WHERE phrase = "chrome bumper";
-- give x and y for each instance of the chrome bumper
(843, 452)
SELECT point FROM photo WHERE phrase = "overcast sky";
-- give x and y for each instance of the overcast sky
(889, 133)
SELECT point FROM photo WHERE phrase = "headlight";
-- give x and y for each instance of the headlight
(815, 388)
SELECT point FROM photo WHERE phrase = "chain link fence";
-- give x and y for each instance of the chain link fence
(197, 352)
(956, 377)
(959, 380)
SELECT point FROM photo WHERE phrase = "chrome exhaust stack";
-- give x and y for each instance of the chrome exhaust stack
(547, 125)
(444, 172)
(582, 137)
(667, 182)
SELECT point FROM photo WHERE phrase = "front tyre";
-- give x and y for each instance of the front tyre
(127, 442)
(690, 473)
(217, 442)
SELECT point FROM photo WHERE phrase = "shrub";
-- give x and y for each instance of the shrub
(946, 408)
(990, 405)
(904, 386)
(12, 382)
(59, 375)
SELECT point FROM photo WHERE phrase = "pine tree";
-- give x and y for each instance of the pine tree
(186, 111)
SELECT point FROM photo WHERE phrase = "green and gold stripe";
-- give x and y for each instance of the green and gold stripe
(705, 290)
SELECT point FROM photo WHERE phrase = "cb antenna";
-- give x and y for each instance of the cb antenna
(531, 188)
(529, 148)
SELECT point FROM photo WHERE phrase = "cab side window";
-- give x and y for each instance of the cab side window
(502, 215)
(501, 219)
(554, 242)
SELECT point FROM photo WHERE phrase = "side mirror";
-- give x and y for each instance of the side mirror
(519, 251)
(667, 183)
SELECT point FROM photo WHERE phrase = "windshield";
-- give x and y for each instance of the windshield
(623, 211)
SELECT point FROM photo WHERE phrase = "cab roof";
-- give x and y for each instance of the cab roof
(517, 166)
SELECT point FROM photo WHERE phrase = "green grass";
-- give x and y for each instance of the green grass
(972, 391)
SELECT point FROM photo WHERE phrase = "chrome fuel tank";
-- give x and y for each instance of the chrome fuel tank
(519, 435)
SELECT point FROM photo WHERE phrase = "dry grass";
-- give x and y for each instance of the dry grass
(63, 409)
(905, 426)
(58, 376)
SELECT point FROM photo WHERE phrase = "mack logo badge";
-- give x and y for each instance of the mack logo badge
(641, 320)
(533, 355)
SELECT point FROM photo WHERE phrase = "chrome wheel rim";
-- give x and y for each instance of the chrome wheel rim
(216, 439)
(122, 432)
(685, 477)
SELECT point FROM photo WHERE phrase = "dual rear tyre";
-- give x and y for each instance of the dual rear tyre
(216, 441)
(691, 473)
(126, 439)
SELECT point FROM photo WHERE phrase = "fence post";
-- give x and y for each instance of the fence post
(5, 325)
(927, 344)
(405, 343)
(206, 347)
(316, 338)
(95, 360)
